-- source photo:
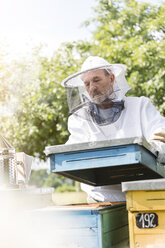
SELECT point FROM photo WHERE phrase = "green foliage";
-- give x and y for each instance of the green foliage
(40, 119)
(54, 181)
(38, 177)
(41, 178)
(133, 33)
(125, 31)
(66, 188)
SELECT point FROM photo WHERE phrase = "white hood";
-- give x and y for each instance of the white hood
(76, 91)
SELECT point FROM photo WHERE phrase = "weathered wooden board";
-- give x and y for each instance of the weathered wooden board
(82, 227)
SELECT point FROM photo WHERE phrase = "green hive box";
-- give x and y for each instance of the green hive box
(82, 226)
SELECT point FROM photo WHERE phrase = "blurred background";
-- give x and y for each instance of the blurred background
(44, 41)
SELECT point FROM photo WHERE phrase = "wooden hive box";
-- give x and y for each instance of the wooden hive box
(82, 226)
(106, 162)
(146, 211)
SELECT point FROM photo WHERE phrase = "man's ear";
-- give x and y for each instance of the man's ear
(112, 78)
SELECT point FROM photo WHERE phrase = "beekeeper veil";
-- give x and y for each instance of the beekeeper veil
(102, 105)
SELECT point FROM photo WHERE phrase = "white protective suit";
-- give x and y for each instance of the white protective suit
(139, 118)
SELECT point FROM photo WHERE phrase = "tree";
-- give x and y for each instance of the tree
(125, 32)
(41, 178)
(41, 115)
(133, 33)
(38, 177)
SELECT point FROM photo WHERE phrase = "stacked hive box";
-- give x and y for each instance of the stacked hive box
(82, 226)
(146, 210)
(106, 163)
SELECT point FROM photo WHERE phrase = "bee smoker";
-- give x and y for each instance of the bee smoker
(8, 173)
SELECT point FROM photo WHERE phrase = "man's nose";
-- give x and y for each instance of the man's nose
(92, 87)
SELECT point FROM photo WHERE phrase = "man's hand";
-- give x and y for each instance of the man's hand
(158, 142)
(159, 135)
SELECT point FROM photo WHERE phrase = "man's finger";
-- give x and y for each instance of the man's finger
(159, 136)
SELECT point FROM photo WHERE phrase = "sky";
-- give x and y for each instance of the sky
(27, 23)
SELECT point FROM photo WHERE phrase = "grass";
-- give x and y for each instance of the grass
(69, 198)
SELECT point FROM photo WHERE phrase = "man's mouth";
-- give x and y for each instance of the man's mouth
(96, 94)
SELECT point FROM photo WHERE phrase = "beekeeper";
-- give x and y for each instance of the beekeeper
(101, 111)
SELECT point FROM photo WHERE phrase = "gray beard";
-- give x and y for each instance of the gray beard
(101, 98)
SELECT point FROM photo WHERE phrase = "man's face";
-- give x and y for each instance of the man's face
(98, 84)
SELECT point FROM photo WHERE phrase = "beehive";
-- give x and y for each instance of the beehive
(93, 225)
(105, 162)
(146, 211)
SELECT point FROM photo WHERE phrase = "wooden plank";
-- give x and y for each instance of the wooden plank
(98, 144)
(122, 244)
(114, 219)
(157, 184)
(108, 176)
(71, 238)
(97, 158)
(115, 237)
(67, 219)
(94, 228)
(114, 226)
(147, 237)
(147, 200)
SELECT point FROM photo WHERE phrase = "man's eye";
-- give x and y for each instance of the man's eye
(86, 84)
(96, 80)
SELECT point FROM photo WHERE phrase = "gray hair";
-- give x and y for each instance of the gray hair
(107, 71)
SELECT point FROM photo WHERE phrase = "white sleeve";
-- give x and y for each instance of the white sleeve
(152, 121)
(159, 145)
(160, 148)
(77, 130)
